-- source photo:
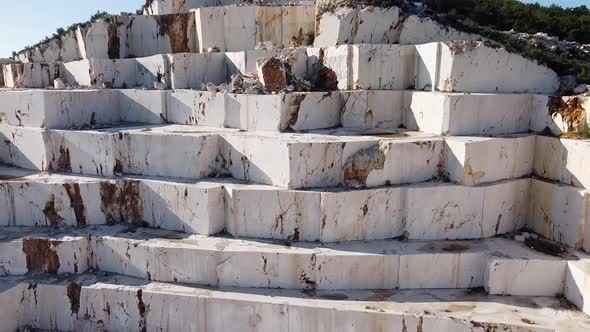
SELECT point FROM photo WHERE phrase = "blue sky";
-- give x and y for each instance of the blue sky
(25, 22)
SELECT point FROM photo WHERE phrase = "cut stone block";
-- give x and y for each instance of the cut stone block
(191, 71)
(297, 111)
(563, 160)
(63, 49)
(558, 116)
(226, 28)
(372, 109)
(497, 70)
(38, 199)
(83, 152)
(391, 161)
(382, 67)
(368, 25)
(150, 35)
(517, 270)
(474, 160)
(336, 28)
(435, 211)
(421, 30)
(23, 252)
(468, 114)
(243, 263)
(559, 212)
(147, 152)
(29, 75)
(297, 25)
(23, 147)
(230, 309)
(577, 284)
(325, 160)
(191, 107)
(58, 109)
(142, 106)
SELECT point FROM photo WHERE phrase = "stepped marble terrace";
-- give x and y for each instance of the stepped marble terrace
(226, 165)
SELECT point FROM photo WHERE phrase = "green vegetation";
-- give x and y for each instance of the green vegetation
(489, 18)
(571, 24)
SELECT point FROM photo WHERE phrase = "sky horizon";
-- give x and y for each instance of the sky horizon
(19, 31)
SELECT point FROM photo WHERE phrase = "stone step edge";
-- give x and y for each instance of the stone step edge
(43, 199)
(436, 310)
(501, 265)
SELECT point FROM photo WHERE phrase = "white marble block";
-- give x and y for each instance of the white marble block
(468, 114)
(191, 71)
(382, 67)
(367, 25)
(226, 28)
(195, 208)
(192, 107)
(559, 212)
(577, 284)
(40, 254)
(297, 25)
(474, 160)
(142, 106)
(442, 211)
(23, 147)
(366, 109)
(517, 270)
(563, 160)
(420, 30)
(147, 152)
(475, 67)
(374, 163)
(297, 111)
(29, 75)
(336, 28)
(83, 152)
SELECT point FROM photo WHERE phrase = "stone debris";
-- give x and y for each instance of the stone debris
(272, 74)
(58, 83)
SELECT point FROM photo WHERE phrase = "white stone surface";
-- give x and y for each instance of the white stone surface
(29, 75)
(230, 309)
(164, 256)
(420, 30)
(82, 152)
(559, 212)
(563, 160)
(374, 163)
(31, 199)
(520, 271)
(147, 152)
(474, 160)
(336, 28)
(366, 109)
(577, 284)
(142, 106)
(25, 148)
(497, 70)
(382, 67)
(467, 114)
(190, 71)
(367, 25)
(196, 108)
(456, 212)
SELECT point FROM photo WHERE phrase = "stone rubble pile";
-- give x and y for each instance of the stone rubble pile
(221, 165)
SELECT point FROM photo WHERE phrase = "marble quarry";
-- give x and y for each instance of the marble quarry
(225, 165)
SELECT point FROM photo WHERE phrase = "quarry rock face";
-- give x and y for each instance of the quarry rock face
(213, 165)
